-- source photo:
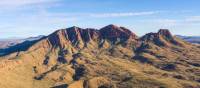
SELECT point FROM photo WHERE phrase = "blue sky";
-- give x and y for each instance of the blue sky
(25, 18)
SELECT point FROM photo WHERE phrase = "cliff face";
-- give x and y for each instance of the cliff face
(110, 57)
(75, 35)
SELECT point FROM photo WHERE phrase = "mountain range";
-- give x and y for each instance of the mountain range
(109, 57)
(6, 43)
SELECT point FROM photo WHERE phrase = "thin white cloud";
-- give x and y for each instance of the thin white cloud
(171, 23)
(193, 19)
(162, 23)
(167, 21)
(15, 6)
(14, 3)
(104, 15)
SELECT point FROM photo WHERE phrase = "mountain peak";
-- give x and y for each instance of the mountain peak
(73, 28)
(112, 32)
(165, 32)
(112, 26)
(162, 38)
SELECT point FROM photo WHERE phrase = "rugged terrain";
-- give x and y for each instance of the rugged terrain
(110, 57)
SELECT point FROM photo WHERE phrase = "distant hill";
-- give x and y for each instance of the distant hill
(8, 46)
(5, 43)
(191, 39)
